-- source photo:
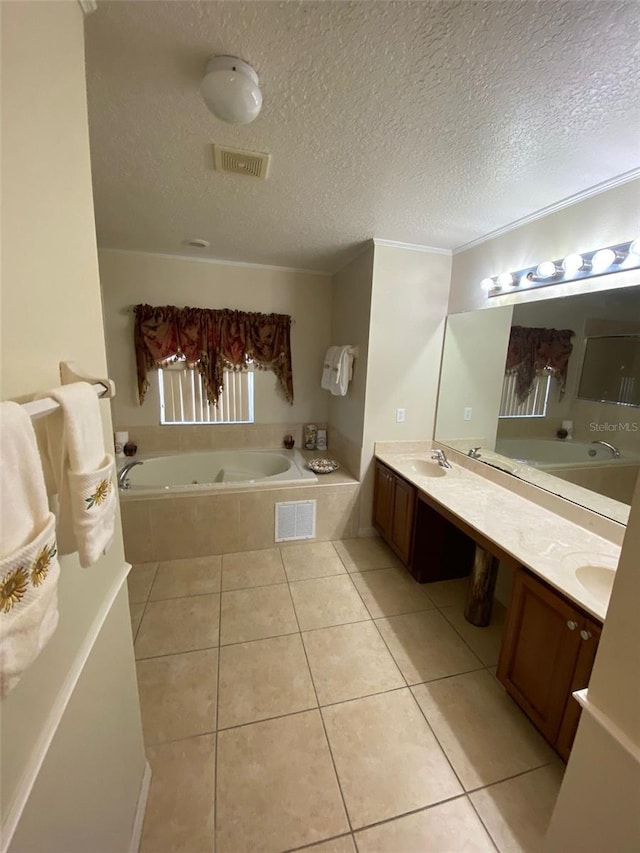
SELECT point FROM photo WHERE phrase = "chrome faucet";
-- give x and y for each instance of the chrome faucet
(614, 450)
(123, 482)
(474, 454)
(441, 459)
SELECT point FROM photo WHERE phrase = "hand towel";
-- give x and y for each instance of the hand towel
(327, 368)
(29, 569)
(342, 372)
(83, 473)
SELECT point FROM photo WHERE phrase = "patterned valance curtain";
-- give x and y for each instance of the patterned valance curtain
(212, 340)
(532, 351)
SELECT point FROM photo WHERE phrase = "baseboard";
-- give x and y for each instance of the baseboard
(141, 808)
(363, 532)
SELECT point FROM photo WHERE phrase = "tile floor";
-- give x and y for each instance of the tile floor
(314, 696)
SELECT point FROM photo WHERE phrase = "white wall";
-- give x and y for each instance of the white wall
(129, 278)
(51, 312)
(408, 311)
(350, 325)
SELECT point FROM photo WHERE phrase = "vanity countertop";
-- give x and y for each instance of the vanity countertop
(559, 551)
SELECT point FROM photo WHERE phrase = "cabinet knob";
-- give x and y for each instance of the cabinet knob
(586, 635)
(571, 625)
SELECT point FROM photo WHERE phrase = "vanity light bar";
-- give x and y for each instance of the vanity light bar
(575, 267)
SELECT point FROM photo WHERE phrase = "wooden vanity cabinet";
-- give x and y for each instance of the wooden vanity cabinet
(548, 650)
(393, 510)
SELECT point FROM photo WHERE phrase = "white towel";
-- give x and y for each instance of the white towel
(342, 371)
(83, 473)
(327, 368)
(29, 568)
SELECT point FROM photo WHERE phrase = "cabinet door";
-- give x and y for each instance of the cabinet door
(590, 637)
(539, 652)
(383, 500)
(404, 501)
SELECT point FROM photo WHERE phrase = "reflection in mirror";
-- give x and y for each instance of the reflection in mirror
(582, 442)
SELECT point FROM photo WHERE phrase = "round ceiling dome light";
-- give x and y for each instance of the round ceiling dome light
(197, 243)
(231, 90)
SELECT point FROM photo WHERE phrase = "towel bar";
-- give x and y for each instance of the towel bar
(69, 372)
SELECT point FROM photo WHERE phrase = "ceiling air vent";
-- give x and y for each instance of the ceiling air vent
(252, 163)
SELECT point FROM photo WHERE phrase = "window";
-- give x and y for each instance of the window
(535, 403)
(183, 399)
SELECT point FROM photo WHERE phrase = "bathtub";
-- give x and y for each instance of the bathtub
(553, 453)
(215, 470)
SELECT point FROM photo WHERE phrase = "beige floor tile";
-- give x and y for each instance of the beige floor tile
(193, 576)
(139, 582)
(135, 611)
(448, 593)
(254, 614)
(484, 734)
(265, 678)
(178, 625)
(178, 695)
(311, 560)
(180, 810)
(349, 661)
(387, 758)
(322, 602)
(387, 592)
(252, 568)
(337, 845)
(362, 555)
(485, 642)
(517, 811)
(451, 827)
(425, 646)
(276, 786)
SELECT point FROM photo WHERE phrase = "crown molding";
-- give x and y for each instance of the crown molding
(610, 184)
(88, 6)
(220, 261)
(413, 247)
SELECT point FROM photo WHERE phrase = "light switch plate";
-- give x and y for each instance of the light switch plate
(400, 416)
(467, 413)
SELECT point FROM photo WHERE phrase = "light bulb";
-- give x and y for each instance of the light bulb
(603, 259)
(547, 269)
(487, 284)
(573, 263)
(505, 279)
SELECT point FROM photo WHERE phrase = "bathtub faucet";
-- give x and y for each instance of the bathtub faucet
(123, 482)
(614, 450)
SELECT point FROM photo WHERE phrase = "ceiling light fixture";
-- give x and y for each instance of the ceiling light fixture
(574, 267)
(231, 90)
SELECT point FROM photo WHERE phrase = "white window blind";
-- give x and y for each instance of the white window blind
(183, 399)
(535, 404)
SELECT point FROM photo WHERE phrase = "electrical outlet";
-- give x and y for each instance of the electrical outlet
(467, 413)
(399, 416)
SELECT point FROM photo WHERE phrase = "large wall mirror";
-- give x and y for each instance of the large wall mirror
(557, 409)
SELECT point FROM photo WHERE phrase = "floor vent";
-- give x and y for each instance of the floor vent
(255, 164)
(295, 520)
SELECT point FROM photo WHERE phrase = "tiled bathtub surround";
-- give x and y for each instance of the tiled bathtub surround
(314, 694)
(196, 526)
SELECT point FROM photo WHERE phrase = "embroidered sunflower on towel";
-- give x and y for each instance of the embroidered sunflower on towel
(12, 589)
(100, 494)
(40, 567)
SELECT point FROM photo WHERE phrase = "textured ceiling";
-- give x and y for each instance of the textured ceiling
(423, 122)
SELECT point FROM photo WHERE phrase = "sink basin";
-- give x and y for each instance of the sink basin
(598, 580)
(426, 468)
